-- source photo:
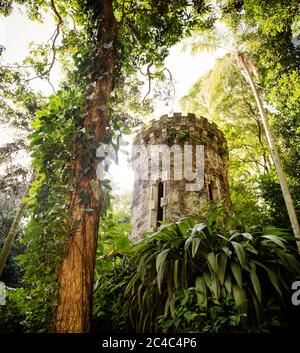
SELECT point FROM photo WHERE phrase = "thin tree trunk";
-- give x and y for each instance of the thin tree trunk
(282, 178)
(74, 309)
(11, 237)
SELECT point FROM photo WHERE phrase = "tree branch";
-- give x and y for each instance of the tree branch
(53, 46)
(149, 75)
(55, 35)
(171, 78)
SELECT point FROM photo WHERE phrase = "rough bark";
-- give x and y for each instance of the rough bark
(275, 155)
(74, 309)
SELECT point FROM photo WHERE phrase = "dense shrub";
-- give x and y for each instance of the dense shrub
(190, 277)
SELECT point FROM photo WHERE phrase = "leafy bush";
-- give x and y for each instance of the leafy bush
(12, 273)
(247, 208)
(188, 316)
(271, 193)
(52, 146)
(113, 268)
(13, 313)
(247, 274)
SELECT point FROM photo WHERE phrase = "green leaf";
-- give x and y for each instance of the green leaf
(293, 263)
(176, 273)
(36, 123)
(240, 298)
(215, 285)
(183, 274)
(222, 261)
(222, 237)
(275, 231)
(170, 303)
(201, 292)
(165, 232)
(207, 278)
(247, 236)
(160, 262)
(255, 281)
(233, 236)
(130, 285)
(122, 242)
(169, 280)
(240, 253)
(139, 297)
(251, 249)
(188, 242)
(212, 260)
(198, 228)
(274, 280)
(227, 251)
(195, 246)
(26, 199)
(169, 227)
(228, 284)
(257, 308)
(184, 226)
(272, 276)
(275, 239)
(237, 273)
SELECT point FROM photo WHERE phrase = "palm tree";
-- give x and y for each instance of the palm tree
(215, 39)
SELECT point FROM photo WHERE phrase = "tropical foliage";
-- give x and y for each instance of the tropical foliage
(194, 277)
(230, 273)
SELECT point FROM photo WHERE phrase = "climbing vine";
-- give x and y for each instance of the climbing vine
(64, 128)
(52, 144)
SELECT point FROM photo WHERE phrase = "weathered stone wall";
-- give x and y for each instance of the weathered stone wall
(177, 202)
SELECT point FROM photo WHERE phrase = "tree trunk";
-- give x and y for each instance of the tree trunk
(282, 178)
(76, 275)
(10, 237)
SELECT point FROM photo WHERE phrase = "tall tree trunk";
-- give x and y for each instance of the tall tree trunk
(74, 309)
(10, 237)
(282, 178)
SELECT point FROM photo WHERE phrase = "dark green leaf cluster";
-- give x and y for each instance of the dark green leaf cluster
(18, 103)
(187, 316)
(189, 276)
(5, 7)
(113, 270)
(52, 145)
(276, 53)
(270, 191)
(12, 273)
(149, 28)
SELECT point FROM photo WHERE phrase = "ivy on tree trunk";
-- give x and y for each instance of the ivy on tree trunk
(75, 279)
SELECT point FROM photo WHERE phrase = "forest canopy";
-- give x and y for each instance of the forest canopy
(67, 260)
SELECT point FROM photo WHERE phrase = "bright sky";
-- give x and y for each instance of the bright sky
(16, 32)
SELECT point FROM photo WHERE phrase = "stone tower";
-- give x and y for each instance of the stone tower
(161, 189)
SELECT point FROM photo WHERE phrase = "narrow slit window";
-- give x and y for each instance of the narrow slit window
(160, 210)
(210, 192)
